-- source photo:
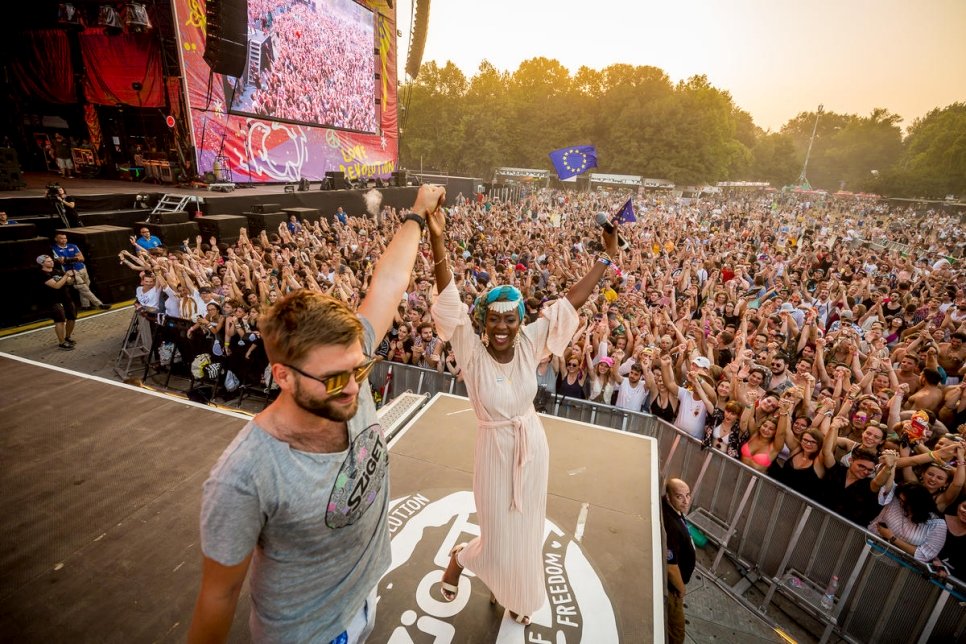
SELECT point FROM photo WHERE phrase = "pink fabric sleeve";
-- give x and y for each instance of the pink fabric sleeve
(452, 320)
(554, 329)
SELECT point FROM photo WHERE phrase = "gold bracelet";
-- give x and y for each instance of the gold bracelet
(439, 262)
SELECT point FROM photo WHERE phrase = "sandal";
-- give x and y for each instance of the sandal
(519, 619)
(448, 591)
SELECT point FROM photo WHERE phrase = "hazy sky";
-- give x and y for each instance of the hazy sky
(776, 57)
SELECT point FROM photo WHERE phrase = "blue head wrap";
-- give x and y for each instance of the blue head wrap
(498, 294)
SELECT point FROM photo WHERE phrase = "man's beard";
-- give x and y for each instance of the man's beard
(324, 408)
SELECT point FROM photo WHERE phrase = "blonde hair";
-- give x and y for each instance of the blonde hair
(303, 320)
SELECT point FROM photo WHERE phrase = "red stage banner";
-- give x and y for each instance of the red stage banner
(42, 66)
(115, 63)
(263, 149)
(93, 126)
(174, 97)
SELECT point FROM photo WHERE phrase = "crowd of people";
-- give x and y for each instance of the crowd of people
(322, 69)
(821, 343)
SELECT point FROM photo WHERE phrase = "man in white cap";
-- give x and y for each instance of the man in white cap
(691, 409)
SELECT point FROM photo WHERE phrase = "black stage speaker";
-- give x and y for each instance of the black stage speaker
(224, 228)
(267, 221)
(336, 180)
(226, 49)
(11, 177)
(11, 232)
(124, 218)
(23, 253)
(100, 241)
(172, 217)
(267, 207)
(399, 179)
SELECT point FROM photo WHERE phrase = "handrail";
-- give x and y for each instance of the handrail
(792, 543)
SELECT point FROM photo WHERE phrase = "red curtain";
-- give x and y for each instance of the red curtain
(42, 67)
(113, 63)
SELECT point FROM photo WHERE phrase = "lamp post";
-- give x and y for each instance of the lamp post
(802, 180)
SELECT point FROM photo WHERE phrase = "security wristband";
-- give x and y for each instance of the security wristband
(418, 219)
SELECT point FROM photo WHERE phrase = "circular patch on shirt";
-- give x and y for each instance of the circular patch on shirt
(359, 480)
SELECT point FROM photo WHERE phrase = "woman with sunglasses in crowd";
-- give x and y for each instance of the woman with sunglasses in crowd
(571, 382)
(499, 360)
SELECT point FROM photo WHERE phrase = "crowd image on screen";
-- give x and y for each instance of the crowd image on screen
(319, 67)
(820, 341)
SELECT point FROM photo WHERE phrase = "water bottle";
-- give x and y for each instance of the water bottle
(828, 599)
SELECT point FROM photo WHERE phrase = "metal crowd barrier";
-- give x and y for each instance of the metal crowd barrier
(784, 540)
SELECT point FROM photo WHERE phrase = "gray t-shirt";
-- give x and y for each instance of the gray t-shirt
(316, 523)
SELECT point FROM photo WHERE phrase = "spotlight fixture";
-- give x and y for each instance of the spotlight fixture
(107, 18)
(68, 16)
(136, 18)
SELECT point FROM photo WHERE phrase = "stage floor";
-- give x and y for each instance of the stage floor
(102, 488)
(101, 494)
(602, 548)
(37, 187)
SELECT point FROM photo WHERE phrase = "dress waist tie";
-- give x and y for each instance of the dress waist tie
(521, 451)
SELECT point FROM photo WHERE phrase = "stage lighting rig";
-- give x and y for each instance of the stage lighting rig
(136, 18)
(68, 16)
(107, 18)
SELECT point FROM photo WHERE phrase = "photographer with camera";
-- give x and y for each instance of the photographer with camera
(56, 299)
(64, 204)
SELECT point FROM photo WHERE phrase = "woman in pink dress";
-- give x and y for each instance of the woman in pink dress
(512, 456)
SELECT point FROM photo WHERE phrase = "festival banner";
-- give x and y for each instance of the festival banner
(266, 150)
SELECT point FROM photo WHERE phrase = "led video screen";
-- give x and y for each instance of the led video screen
(310, 62)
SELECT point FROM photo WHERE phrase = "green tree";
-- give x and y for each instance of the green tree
(543, 117)
(484, 122)
(862, 148)
(774, 160)
(641, 123)
(933, 162)
(431, 122)
(702, 127)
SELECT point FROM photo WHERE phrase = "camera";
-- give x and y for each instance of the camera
(53, 191)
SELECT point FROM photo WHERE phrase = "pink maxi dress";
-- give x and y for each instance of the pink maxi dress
(512, 456)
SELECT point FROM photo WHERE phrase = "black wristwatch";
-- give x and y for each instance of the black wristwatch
(417, 218)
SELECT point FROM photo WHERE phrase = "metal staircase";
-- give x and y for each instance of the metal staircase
(172, 203)
(256, 41)
(254, 61)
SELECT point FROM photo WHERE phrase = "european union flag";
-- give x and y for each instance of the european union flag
(626, 214)
(569, 162)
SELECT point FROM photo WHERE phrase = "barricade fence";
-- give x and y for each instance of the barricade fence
(788, 542)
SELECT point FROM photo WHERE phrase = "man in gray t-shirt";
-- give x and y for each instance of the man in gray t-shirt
(300, 496)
